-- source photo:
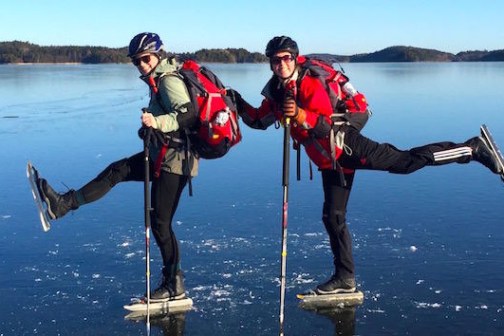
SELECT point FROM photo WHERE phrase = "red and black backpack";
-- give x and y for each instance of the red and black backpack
(349, 105)
(217, 128)
(210, 125)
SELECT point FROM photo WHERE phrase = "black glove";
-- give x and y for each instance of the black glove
(235, 95)
(143, 132)
(238, 101)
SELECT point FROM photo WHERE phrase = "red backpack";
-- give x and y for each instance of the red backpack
(214, 119)
(217, 118)
(349, 106)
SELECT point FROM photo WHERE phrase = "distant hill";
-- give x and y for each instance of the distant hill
(482, 56)
(413, 54)
(24, 52)
(404, 54)
(330, 58)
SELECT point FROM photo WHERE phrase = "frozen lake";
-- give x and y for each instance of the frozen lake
(428, 246)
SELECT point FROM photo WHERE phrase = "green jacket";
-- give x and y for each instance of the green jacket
(174, 97)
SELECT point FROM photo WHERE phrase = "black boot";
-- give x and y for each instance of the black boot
(171, 288)
(57, 204)
(336, 285)
(482, 153)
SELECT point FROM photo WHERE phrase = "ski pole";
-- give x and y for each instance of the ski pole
(285, 185)
(298, 161)
(147, 210)
(290, 93)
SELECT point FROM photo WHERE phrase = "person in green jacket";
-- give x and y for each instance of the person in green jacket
(171, 167)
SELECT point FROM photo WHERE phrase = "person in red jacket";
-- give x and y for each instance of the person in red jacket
(297, 94)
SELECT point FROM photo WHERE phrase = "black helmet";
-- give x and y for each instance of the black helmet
(282, 43)
(144, 42)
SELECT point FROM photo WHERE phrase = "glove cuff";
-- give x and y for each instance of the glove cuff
(300, 117)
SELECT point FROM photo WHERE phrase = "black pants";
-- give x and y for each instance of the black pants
(165, 196)
(336, 196)
(364, 153)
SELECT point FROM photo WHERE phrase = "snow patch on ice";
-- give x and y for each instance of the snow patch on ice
(243, 241)
(200, 288)
(303, 278)
(212, 244)
(374, 297)
(425, 305)
(378, 311)
(214, 292)
(396, 233)
(244, 271)
(220, 292)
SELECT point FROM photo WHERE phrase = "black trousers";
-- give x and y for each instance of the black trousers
(165, 195)
(364, 153)
(336, 195)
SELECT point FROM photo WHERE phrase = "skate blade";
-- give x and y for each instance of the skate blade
(140, 305)
(32, 175)
(312, 300)
(489, 140)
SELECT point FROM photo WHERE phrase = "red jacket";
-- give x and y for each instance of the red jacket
(312, 97)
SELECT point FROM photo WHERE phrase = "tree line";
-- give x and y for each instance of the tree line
(24, 52)
(414, 54)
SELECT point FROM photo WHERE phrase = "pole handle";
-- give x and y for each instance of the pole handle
(286, 153)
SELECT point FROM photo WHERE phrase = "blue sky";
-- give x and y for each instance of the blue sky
(333, 26)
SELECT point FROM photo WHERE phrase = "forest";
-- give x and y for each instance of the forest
(25, 52)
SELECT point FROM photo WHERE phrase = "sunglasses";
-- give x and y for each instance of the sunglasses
(277, 60)
(137, 61)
